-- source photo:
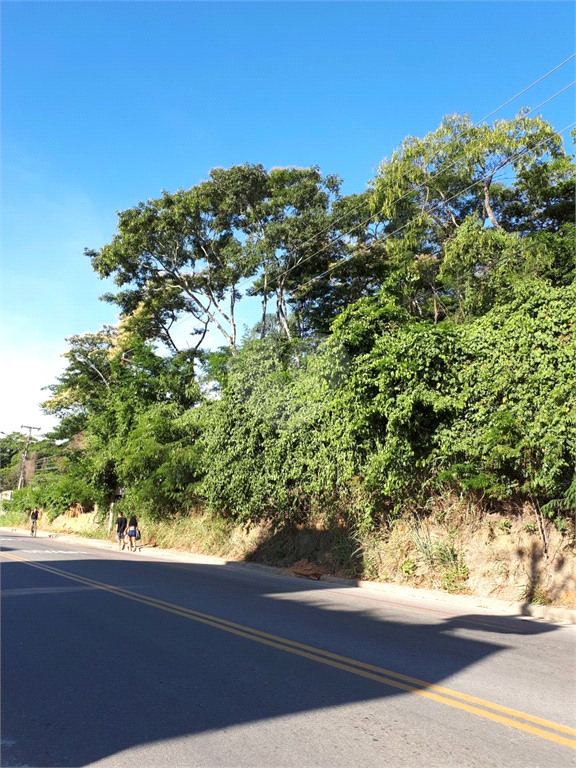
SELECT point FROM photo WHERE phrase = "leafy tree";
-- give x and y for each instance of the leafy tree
(188, 252)
(294, 238)
(444, 297)
(479, 266)
(11, 448)
(542, 198)
(272, 447)
(352, 265)
(401, 392)
(179, 258)
(112, 380)
(159, 462)
(85, 384)
(432, 187)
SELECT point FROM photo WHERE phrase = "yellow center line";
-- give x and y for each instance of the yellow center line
(490, 710)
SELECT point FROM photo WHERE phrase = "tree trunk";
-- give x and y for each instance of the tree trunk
(487, 206)
(281, 314)
(232, 319)
(264, 305)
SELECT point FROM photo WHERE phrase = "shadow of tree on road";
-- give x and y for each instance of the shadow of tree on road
(96, 674)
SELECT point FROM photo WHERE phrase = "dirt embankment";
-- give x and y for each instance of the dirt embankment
(519, 557)
(516, 557)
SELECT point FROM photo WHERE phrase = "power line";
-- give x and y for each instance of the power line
(466, 132)
(398, 200)
(388, 235)
(511, 160)
(558, 66)
(457, 194)
(364, 222)
(248, 281)
(490, 114)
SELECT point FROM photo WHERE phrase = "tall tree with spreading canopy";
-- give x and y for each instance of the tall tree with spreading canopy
(432, 187)
(190, 252)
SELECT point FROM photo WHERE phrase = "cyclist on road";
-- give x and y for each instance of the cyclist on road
(34, 521)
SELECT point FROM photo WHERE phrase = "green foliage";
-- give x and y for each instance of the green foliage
(158, 463)
(186, 253)
(407, 382)
(130, 399)
(431, 185)
(408, 568)
(11, 448)
(55, 495)
(43, 457)
(535, 594)
(440, 198)
(413, 339)
(515, 431)
(273, 445)
(542, 198)
(564, 505)
(442, 559)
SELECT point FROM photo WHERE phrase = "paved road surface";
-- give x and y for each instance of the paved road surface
(126, 660)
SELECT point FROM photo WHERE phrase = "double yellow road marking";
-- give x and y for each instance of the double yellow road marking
(536, 726)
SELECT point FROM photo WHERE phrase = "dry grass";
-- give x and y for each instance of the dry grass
(451, 546)
(203, 533)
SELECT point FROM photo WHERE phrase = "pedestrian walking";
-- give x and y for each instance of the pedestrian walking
(132, 531)
(121, 524)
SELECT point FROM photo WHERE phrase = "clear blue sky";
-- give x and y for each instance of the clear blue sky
(105, 104)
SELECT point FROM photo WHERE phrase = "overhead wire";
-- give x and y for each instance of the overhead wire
(461, 192)
(366, 221)
(249, 281)
(407, 194)
(457, 194)
(528, 87)
(461, 136)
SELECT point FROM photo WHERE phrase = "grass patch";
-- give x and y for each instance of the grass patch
(203, 533)
(12, 517)
(535, 594)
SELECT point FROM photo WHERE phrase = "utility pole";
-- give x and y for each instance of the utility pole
(25, 455)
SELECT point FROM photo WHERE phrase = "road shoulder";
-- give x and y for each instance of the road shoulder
(549, 613)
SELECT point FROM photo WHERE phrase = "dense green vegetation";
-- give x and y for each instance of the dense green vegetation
(414, 340)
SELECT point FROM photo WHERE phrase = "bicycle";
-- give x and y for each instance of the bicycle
(33, 528)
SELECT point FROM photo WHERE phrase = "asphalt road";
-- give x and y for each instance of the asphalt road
(120, 659)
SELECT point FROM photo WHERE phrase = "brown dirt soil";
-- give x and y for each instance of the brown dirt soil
(516, 556)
